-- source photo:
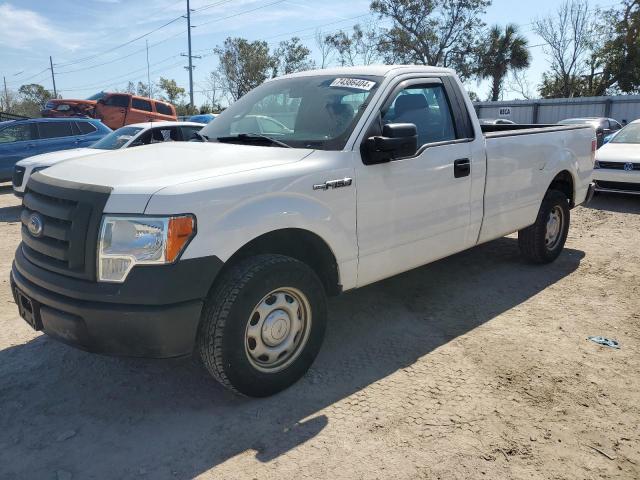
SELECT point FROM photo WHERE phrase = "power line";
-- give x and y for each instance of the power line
(129, 42)
(240, 13)
(97, 65)
(128, 74)
(211, 5)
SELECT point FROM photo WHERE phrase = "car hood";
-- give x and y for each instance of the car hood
(147, 169)
(51, 158)
(619, 152)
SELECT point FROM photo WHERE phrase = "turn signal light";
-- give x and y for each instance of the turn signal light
(179, 232)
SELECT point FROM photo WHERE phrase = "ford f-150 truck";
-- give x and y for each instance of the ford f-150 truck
(310, 185)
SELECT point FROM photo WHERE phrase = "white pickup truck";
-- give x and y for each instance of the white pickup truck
(310, 185)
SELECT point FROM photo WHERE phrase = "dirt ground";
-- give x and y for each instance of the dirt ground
(475, 367)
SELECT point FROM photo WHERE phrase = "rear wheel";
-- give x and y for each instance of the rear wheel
(263, 325)
(543, 241)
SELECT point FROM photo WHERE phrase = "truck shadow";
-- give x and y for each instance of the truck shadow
(5, 188)
(96, 416)
(616, 202)
(10, 214)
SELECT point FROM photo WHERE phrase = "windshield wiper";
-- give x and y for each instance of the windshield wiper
(201, 137)
(252, 136)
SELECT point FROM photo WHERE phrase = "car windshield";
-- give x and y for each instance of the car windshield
(629, 134)
(97, 96)
(307, 112)
(116, 139)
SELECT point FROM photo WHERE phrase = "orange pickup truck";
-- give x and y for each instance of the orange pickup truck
(114, 109)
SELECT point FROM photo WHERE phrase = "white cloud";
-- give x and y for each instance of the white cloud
(23, 29)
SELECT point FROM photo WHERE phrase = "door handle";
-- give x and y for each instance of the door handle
(461, 167)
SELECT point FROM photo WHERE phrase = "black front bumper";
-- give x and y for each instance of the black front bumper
(154, 313)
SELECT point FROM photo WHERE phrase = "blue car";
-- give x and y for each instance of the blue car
(24, 138)
(202, 118)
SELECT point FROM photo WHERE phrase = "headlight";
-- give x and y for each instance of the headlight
(596, 164)
(128, 241)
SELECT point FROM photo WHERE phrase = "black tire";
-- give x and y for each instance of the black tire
(532, 240)
(222, 341)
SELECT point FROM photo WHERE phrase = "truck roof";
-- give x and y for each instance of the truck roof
(376, 70)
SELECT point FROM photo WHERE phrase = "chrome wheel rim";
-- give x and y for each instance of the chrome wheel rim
(553, 232)
(278, 329)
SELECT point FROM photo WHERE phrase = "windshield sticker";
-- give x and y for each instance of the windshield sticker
(353, 83)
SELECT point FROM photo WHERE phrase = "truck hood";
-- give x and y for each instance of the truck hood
(51, 158)
(147, 169)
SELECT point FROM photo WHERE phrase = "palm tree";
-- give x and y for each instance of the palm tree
(502, 52)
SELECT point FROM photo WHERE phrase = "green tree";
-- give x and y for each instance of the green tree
(291, 56)
(360, 47)
(32, 98)
(619, 57)
(502, 52)
(243, 65)
(428, 32)
(172, 91)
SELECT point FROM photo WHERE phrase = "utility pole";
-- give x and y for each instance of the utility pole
(6, 94)
(53, 78)
(190, 58)
(148, 75)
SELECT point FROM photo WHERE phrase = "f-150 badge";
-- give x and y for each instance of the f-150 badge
(344, 182)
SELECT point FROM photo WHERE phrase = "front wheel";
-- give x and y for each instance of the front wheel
(543, 241)
(263, 325)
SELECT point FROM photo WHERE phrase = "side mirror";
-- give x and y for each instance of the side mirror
(398, 140)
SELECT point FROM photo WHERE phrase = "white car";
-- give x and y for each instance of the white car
(617, 167)
(229, 247)
(132, 135)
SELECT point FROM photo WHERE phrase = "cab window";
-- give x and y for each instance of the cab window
(16, 133)
(140, 104)
(55, 129)
(189, 133)
(167, 134)
(117, 101)
(163, 108)
(427, 107)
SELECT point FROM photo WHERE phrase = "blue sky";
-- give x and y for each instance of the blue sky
(81, 36)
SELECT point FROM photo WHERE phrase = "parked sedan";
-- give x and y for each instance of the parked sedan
(617, 167)
(125, 137)
(24, 138)
(604, 126)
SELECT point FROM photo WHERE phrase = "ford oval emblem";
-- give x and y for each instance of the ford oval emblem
(35, 225)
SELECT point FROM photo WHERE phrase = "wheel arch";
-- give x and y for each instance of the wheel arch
(565, 183)
(298, 243)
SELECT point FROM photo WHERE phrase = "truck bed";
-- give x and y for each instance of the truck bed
(493, 131)
(521, 165)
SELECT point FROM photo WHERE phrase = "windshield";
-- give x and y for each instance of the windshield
(306, 112)
(97, 96)
(629, 134)
(116, 139)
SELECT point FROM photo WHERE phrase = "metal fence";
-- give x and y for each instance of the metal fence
(621, 108)
(10, 116)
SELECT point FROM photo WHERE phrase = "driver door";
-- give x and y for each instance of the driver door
(415, 210)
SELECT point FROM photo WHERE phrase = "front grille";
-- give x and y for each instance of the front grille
(626, 186)
(69, 216)
(617, 165)
(18, 176)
